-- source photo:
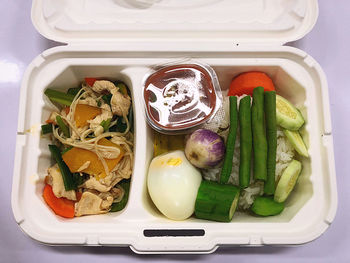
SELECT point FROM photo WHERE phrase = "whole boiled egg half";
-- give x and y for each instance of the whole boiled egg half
(173, 184)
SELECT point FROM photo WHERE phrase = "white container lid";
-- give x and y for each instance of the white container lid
(232, 21)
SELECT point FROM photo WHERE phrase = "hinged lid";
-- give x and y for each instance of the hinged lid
(232, 21)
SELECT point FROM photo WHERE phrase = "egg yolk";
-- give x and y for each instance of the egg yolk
(172, 161)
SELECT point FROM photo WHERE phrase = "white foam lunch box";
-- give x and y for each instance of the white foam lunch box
(121, 39)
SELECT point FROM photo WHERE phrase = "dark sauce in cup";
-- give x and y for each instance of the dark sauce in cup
(179, 97)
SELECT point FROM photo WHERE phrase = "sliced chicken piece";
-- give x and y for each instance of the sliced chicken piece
(95, 124)
(112, 179)
(75, 136)
(102, 85)
(88, 101)
(56, 181)
(104, 185)
(107, 200)
(117, 193)
(93, 184)
(93, 203)
(120, 103)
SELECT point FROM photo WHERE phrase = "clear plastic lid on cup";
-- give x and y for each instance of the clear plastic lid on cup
(179, 97)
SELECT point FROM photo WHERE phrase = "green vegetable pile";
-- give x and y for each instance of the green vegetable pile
(258, 138)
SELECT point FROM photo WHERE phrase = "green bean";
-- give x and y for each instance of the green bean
(230, 144)
(259, 139)
(245, 124)
(271, 135)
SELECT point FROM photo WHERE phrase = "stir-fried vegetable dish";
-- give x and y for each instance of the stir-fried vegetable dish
(92, 148)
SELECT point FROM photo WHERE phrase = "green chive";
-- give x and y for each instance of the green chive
(46, 128)
(64, 128)
(60, 97)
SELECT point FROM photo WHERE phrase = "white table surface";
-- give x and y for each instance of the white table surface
(328, 43)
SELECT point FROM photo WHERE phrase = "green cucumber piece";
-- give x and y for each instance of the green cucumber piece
(287, 115)
(297, 142)
(217, 202)
(266, 206)
(287, 181)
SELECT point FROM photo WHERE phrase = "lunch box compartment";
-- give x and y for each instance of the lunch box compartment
(97, 49)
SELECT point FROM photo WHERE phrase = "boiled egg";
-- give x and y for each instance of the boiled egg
(173, 184)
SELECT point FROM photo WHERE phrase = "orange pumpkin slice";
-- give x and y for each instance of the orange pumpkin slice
(83, 113)
(76, 157)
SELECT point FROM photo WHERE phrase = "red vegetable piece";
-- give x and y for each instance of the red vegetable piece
(90, 81)
(61, 206)
(246, 82)
(67, 109)
(48, 121)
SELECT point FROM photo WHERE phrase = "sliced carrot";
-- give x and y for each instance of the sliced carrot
(84, 113)
(246, 82)
(90, 81)
(61, 206)
(48, 121)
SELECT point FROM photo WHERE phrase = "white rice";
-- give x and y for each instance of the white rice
(284, 154)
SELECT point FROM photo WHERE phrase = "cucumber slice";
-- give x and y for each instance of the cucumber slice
(287, 115)
(266, 206)
(287, 181)
(297, 142)
(217, 202)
